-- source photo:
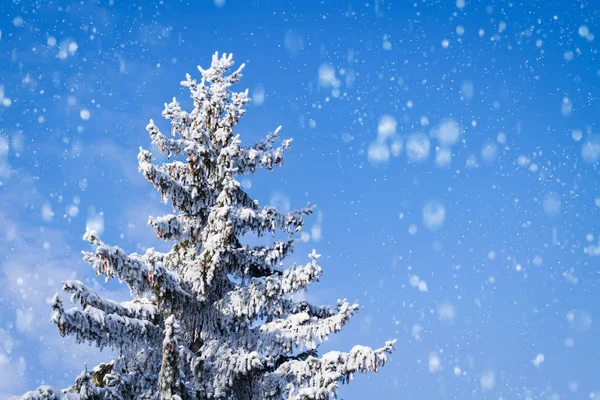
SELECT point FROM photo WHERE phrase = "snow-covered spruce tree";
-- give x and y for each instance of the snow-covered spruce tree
(212, 318)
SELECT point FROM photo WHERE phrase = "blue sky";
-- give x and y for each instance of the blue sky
(451, 148)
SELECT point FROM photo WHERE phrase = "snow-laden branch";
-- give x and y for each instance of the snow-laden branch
(179, 227)
(180, 120)
(143, 274)
(319, 378)
(229, 368)
(46, 392)
(140, 308)
(303, 330)
(170, 379)
(232, 194)
(267, 295)
(190, 199)
(267, 220)
(259, 261)
(174, 147)
(264, 154)
(102, 329)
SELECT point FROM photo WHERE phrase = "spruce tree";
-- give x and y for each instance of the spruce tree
(212, 318)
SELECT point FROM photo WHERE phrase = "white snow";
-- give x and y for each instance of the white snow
(489, 152)
(47, 213)
(552, 204)
(417, 147)
(590, 150)
(434, 362)
(446, 312)
(443, 157)
(434, 215)
(487, 381)
(538, 360)
(386, 127)
(378, 152)
(95, 221)
(467, 90)
(327, 75)
(448, 132)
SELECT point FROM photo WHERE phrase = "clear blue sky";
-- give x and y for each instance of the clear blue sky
(451, 147)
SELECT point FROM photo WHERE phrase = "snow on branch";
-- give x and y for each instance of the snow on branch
(259, 261)
(269, 219)
(102, 329)
(46, 392)
(190, 173)
(262, 155)
(180, 120)
(219, 66)
(217, 109)
(178, 228)
(172, 227)
(174, 147)
(140, 308)
(142, 273)
(229, 367)
(190, 199)
(303, 330)
(234, 110)
(232, 194)
(170, 379)
(267, 295)
(85, 387)
(318, 378)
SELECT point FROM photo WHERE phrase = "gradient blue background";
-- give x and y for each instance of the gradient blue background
(511, 273)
